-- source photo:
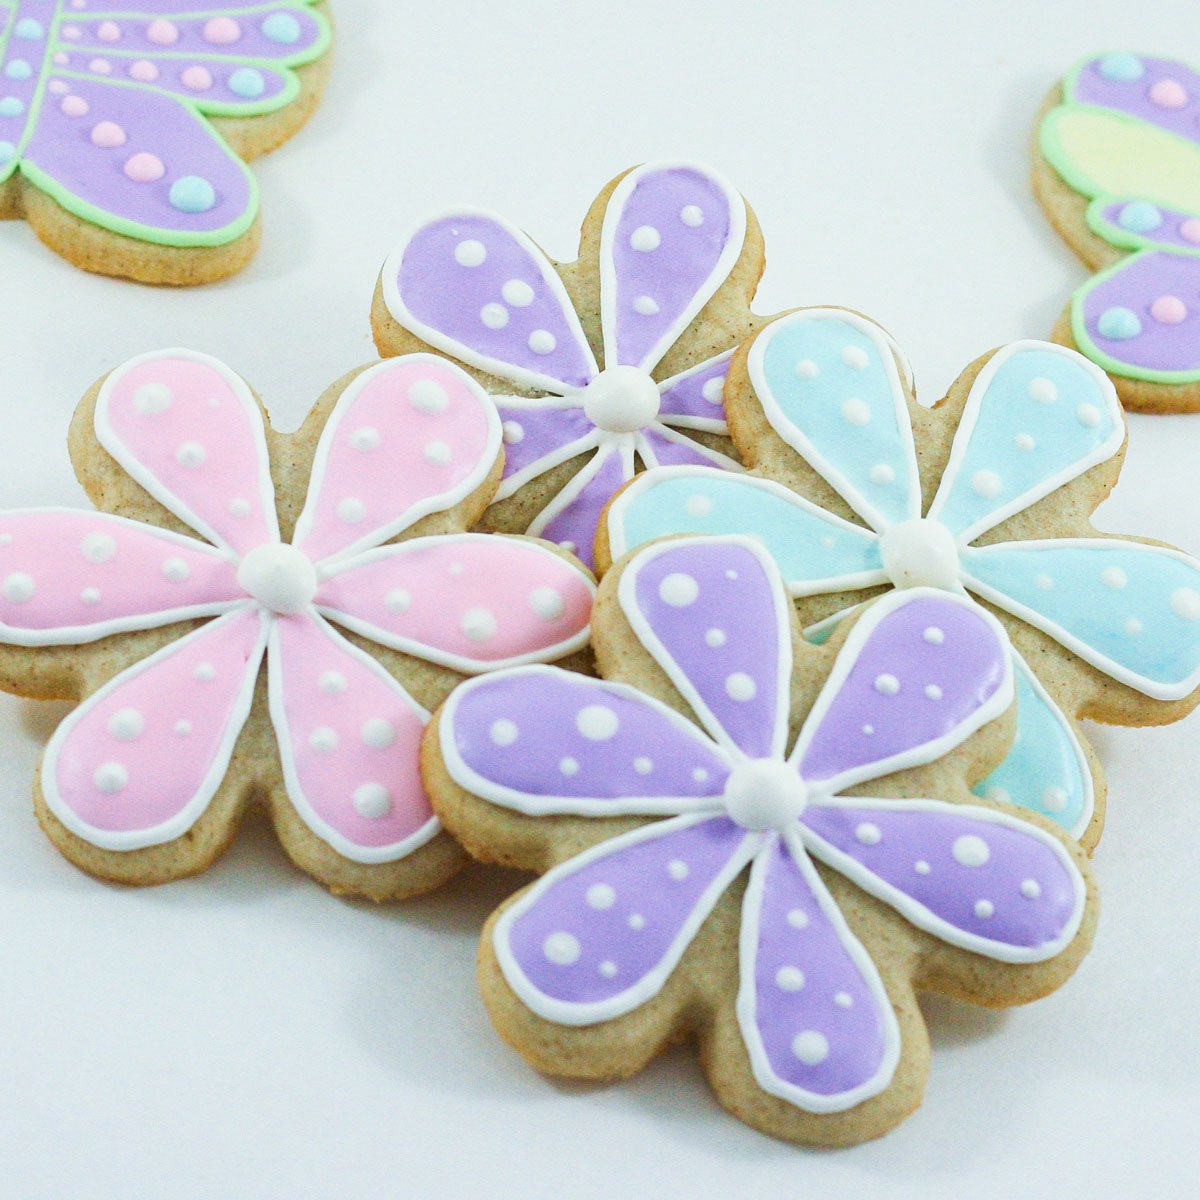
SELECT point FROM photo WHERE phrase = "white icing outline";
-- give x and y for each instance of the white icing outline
(441, 502)
(923, 918)
(705, 424)
(75, 635)
(794, 436)
(521, 376)
(518, 479)
(877, 611)
(644, 632)
(1140, 683)
(370, 855)
(964, 434)
(615, 444)
(747, 999)
(563, 1012)
(549, 804)
(727, 260)
(466, 666)
(182, 821)
(107, 436)
(645, 448)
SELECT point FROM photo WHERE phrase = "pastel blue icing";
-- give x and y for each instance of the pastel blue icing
(247, 83)
(29, 29)
(1140, 216)
(11, 106)
(18, 69)
(7, 152)
(282, 28)
(1121, 68)
(191, 194)
(1118, 324)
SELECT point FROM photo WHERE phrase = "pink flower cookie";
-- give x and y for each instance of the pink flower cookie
(238, 632)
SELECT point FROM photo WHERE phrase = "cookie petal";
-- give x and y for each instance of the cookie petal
(542, 740)
(137, 763)
(920, 671)
(472, 285)
(1037, 417)
(814, 550)
(812, 1008)
(971, 876)
(600, 934)
(188, 429)
(694, 399)
(1129, 609)
(409, 437)
(472, 602)
(570, 519)
(659, 445)
(715, 616)
(68, 577)
(349, 740)
(672, 233)
(828, 383)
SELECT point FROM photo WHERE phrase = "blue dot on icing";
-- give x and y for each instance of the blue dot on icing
(7, 152)
(191, 194)
(18, 69)
(1121, 68)
(282, 28)
(10, 106)
(1119, 324)
(1139, 216)
(29, 29)
(247, 83)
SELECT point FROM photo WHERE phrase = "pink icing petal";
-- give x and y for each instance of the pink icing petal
(570, 519)
(190, 432)
(410, 437)
(69, 577)
(349, 737)
(137, 763)
(469, 601)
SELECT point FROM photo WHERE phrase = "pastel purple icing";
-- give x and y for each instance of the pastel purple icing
(531, 433)
(575, 526)
(669, 452)
(685, 398)
(1133, 96)
(1174, 231)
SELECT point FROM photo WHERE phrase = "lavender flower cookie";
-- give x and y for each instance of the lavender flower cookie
(763, 844)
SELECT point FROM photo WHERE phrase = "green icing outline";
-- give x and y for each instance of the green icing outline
(201, 113)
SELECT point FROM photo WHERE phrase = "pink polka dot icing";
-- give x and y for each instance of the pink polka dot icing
(72, 32)
(197, 79)
(108, 134)
(222, 31)
(109, 31)
(1168, 310)
(1169, 93)
(144, 71)
(162, 33)
(100, 66)
(1190, 230)
(75, 106)
(58, 87)
(145, 168)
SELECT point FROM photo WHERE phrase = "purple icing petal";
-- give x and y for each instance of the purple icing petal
(920, 672)
(1153, 96)
(473, 286)
(1136, 222)
(694, 399)
(601, 934)
(1162, 292)
(974, 877)
(716, 618)
(674, 449)
(539, 434)
(813, 1010)
(539, 739)
(671, 236)
(156, 126)
(571, 518)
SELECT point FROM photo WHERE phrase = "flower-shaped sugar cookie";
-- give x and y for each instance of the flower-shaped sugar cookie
(818, 859)
(195, 617)
(856, 486)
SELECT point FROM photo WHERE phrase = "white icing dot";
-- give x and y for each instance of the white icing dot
(934, 636)
(643, 765)
(372, 801)
(984, 909)
(797, 918)
(1113, 577)
(205, 672)
(970, 850)
(678, 869)
(715, 638)
(547, 603)
(1054, 800)
(843, 1000)
(731, 575)
(698, 506)
(365, 438)
(176, 570)
(438, 453)
(921, 867)
(739, 686)
(596, 722)
(1030, 889)
(856, 412)
(855, 356)
(110, 777)
(191, 454)
(986, 484)
(428, 396)
(90, 595)
(479, 624)
(397, 600)
(601, 896)
(152, 398)
(98, 547)
(807, 369)
(568, 765)
(810, 1047)
(351, 510)
(700, 775)
(240, 507)
(514, 432)
(691, 214)
(378, 733)
(1042, 390)
(636, 921)
(645, 238)
(1185, 604)
(470, 253)
(881, 473)
(1133, 626)
(542, 341)
(887, 685)
(503, 732)
(789, 979)
(869, 834)
(1089, 415)
(1044, 581)
(183, 728)
(608, 968)
(678, 590)
(868, 729)
(1024, 442)
(323, 740)
(645, 306)
(517, 293)
(714, 389)
(333, 683)
(932, 691)
(494, 316)
(126, 724)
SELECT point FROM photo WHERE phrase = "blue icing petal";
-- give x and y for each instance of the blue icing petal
(1045, 770)
(1140, 216)
(191, 194)
(829, 386)
(29, 30)
(282, 28)
(1037, 417)
(1131, 610)
(1121, 68)
(247, 83)
(1118, 324)
(18, 69)
(7, 152)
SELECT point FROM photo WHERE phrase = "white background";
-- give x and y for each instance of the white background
(245, 1036)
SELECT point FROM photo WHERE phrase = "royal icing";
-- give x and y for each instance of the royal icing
(1037, 417)
(105, 107)
(470, 284)
(601, 933)
(1127, 137)
(139, 761)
